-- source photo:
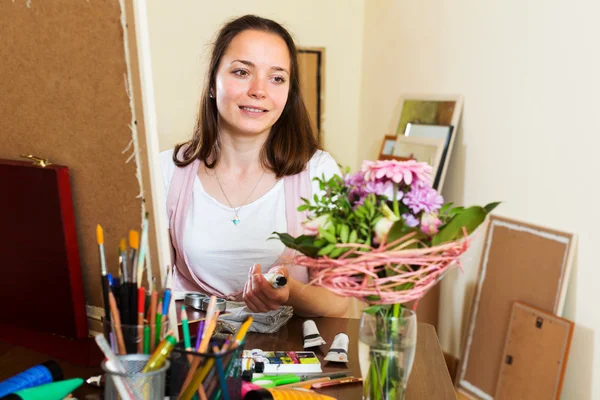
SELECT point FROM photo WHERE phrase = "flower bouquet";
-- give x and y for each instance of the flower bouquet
(385, 236)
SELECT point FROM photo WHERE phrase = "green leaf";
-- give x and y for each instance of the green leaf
(470, 218)
(321, 242)
(338, 251)
(327, 235)
(304, 244)
(303, 207)
(396, 231)
(445, 208)
(456, 210)
(372, 310)
(490, 207)
(326, 250)
(353, 236)
(344, 232)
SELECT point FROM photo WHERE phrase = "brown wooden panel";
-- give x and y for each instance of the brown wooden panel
(519, 262)
(64, 98)
(311, 84)
(535, 355)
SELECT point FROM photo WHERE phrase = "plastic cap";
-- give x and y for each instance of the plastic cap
(171, 339)
(55, 370)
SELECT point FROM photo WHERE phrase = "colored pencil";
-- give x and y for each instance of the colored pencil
(116, 323)
(152, 319)
(140, 321)
(221, 373)
(147, 339)
(158, 322)
(186, 329)
(190, 384)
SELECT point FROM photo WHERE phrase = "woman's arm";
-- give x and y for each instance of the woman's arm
(314, 301)
(307, 301)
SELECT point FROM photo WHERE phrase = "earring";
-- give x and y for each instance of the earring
(211, 95)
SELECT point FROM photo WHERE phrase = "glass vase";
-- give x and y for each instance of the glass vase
(386, 350)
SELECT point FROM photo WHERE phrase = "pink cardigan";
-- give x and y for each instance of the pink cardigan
(178, 203)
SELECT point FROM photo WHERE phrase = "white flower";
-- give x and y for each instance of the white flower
(311, 226)
(382, 227)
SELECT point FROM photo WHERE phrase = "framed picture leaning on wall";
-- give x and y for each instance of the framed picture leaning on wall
(443, 132)
(432, 110)
(427, 150)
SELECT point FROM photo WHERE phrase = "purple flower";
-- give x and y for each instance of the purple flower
(410, 220)
(423, 198)
(359, 188)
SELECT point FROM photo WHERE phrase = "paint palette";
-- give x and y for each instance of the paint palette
(284, 362)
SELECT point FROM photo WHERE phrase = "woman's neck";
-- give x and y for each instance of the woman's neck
(240, 152)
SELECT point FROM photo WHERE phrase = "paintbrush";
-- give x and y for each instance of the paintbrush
(134, 244)
(105, 285)
(123, 260)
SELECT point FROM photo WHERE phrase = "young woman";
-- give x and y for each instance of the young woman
(242, 175)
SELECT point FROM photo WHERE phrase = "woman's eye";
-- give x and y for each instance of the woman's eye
(240, 72)
(279, 79)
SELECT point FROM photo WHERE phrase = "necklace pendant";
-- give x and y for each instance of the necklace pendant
(236, 220)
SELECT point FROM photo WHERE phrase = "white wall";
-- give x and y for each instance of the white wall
(180, 35)
(529, 71)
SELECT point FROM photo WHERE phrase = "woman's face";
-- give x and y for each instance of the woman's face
(252, 83)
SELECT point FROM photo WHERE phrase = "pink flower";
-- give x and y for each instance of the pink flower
(311, 226)
(430, 223)
(398, 171)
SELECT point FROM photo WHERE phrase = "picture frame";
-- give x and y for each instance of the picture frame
(432, 109)
(443, 132)
(421, 149)
(388, 145)
(429, 110)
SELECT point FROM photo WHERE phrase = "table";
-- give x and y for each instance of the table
(429, 378)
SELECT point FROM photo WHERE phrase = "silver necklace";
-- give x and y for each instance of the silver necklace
(236, 218)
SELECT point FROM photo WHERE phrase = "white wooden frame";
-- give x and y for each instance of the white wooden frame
(438, 144)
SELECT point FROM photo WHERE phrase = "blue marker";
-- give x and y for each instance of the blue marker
(47, 372)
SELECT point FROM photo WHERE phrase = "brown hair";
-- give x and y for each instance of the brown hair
(291, 142)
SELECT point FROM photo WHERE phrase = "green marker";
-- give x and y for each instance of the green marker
(51, 391)
(147, 339)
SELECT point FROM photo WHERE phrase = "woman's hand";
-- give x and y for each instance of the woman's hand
(259, 295)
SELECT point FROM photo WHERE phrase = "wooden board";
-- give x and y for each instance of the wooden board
(64, 79)
(519, 262)
(535, 355)
(311, 69)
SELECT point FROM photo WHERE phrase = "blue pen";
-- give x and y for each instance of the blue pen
(110, 279)
(166, 300)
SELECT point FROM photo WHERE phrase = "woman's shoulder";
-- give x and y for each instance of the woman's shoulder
(322, 163)
(167, 166)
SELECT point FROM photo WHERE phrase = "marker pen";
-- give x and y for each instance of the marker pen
(276, 280)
